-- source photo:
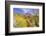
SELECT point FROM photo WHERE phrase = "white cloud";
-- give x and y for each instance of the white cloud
(25, 11)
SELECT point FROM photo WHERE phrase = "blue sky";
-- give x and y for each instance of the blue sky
(25, 10)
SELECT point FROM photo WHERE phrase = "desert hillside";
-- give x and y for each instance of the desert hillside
(26, 20)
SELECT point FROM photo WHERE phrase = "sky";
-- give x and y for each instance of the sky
(25, 10)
